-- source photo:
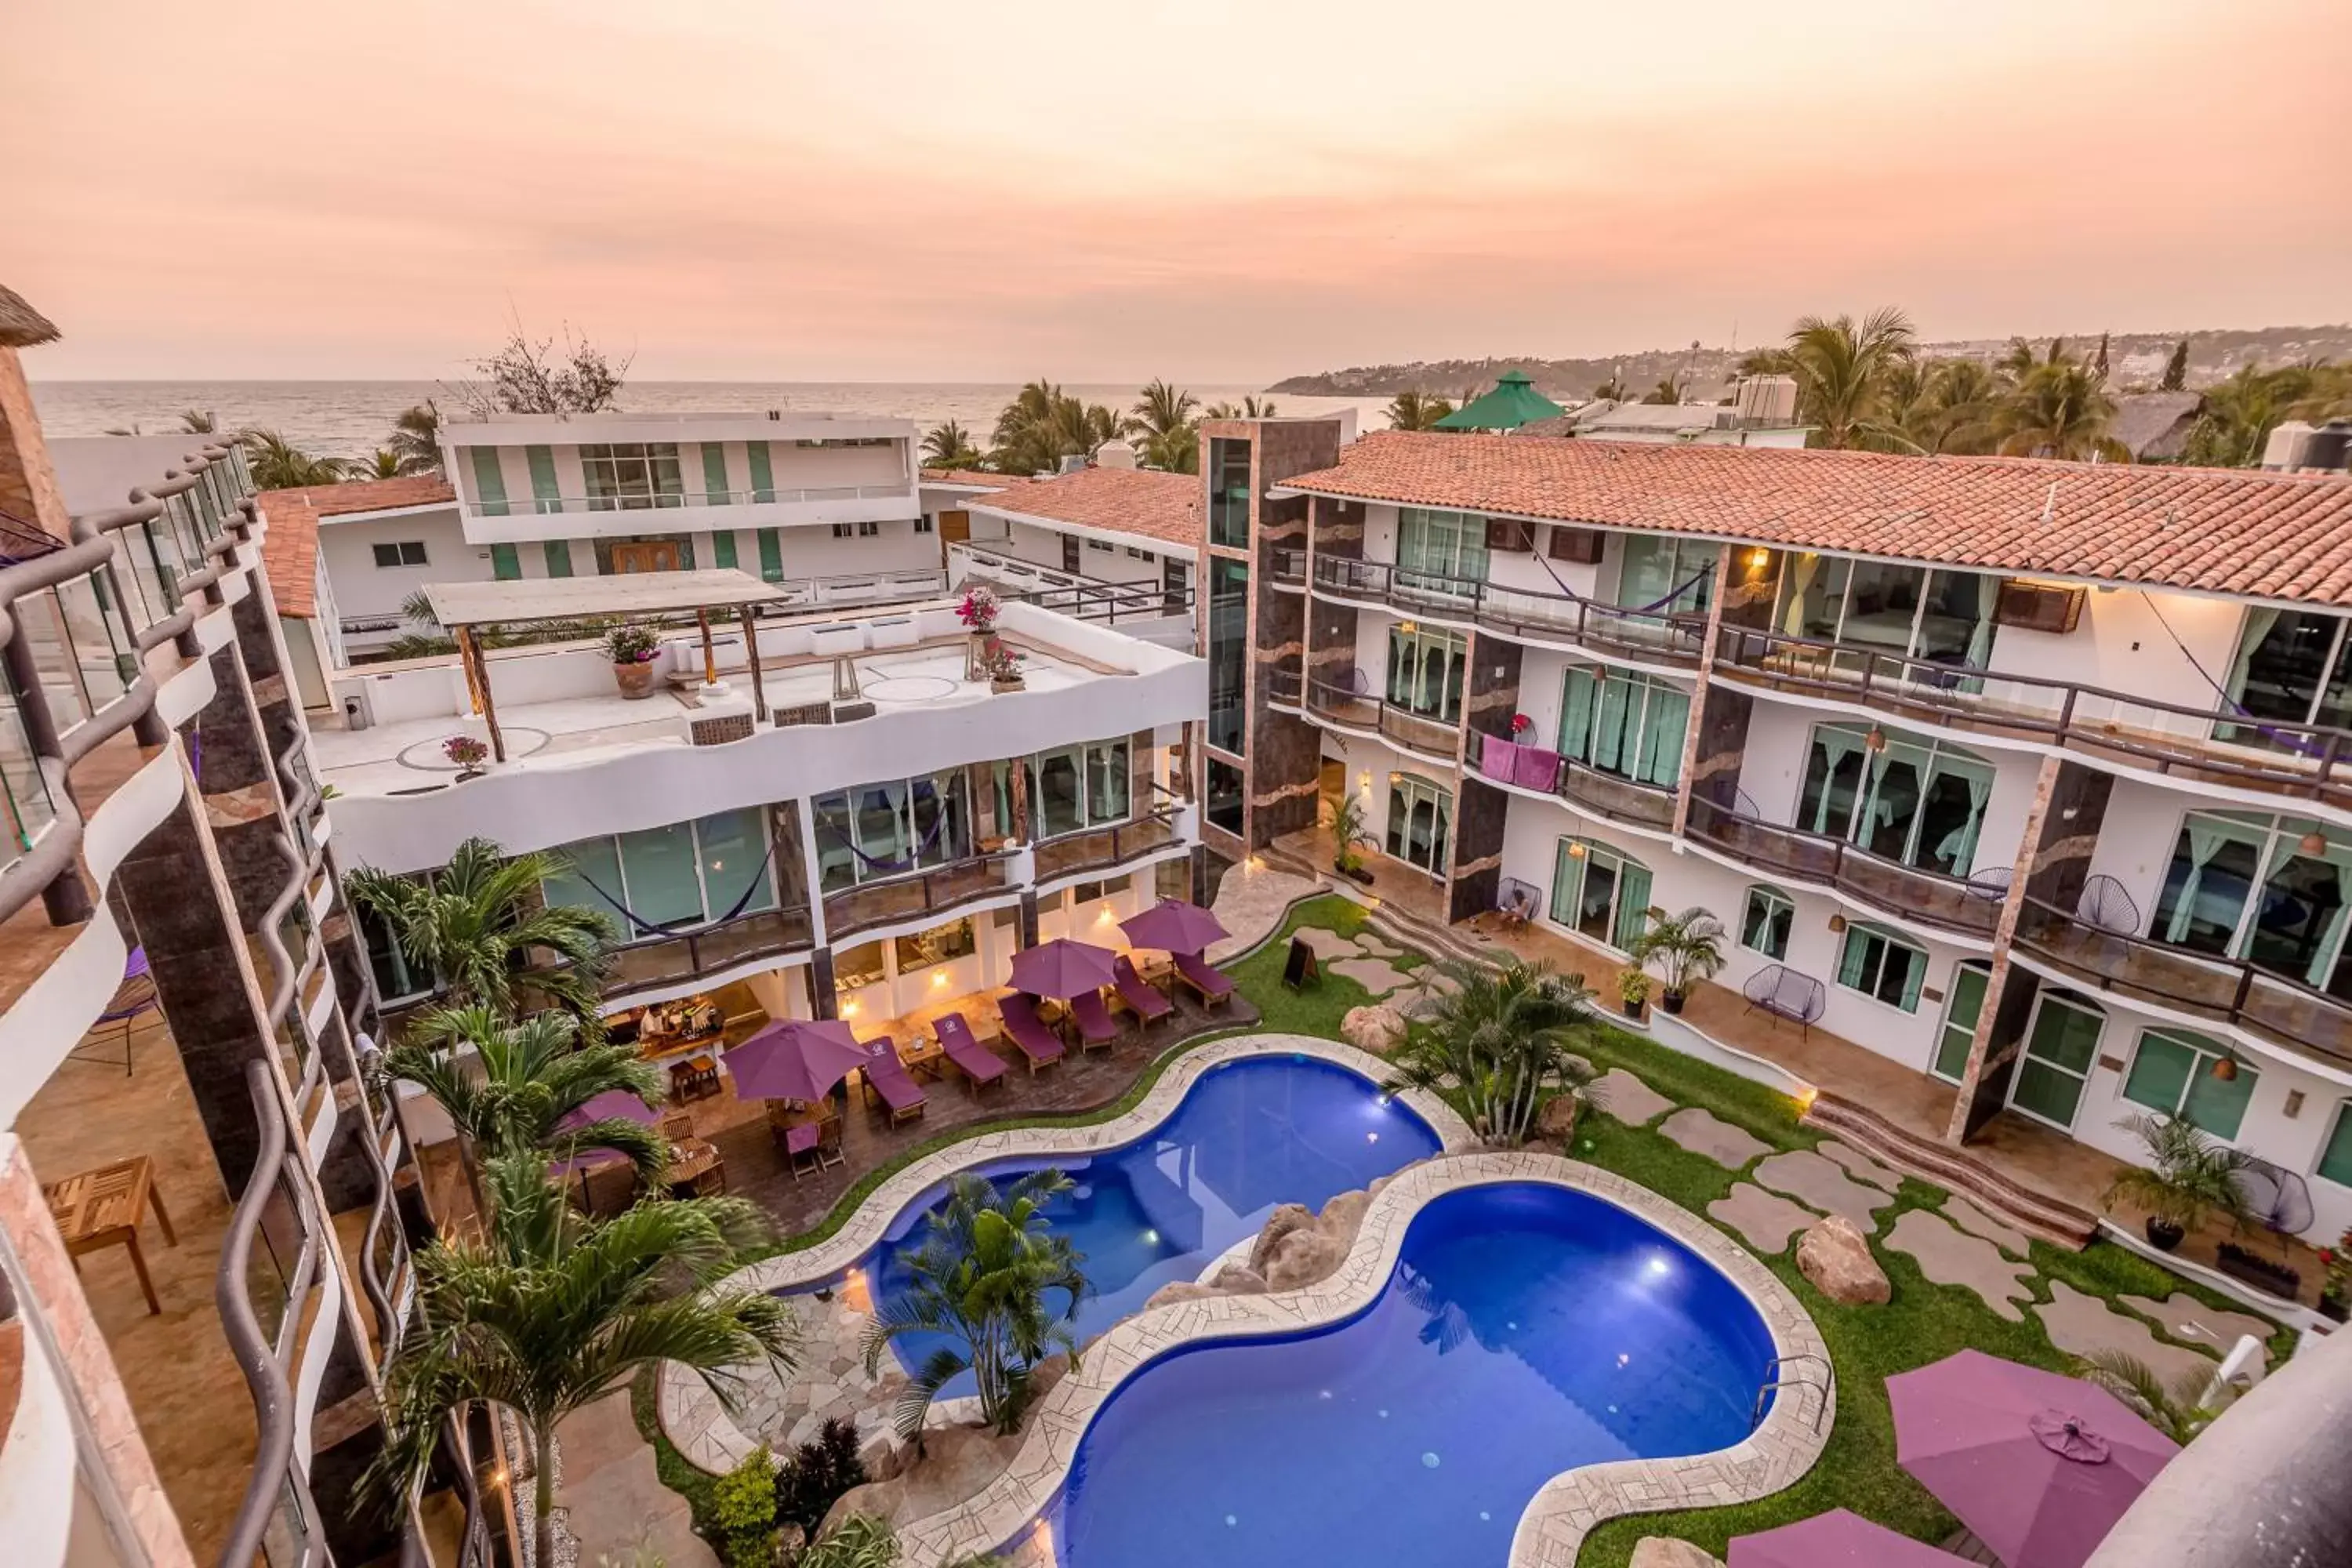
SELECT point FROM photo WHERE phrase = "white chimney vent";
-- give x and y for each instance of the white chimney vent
(1114, 454)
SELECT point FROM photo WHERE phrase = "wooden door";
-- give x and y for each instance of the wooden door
(955, 528)
(646, 555)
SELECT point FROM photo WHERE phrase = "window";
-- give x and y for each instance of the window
(1421, 822)
(1440, 553)
(861, 965)
(1135, 554)
(394, 976)
(1100, 544)
(1946, 616)
(2335, 1154)
(841, 531)
(711, 869)
(926, 524)
(1919, 802)
(2242, 885)
(890, 829)
(722, 549)
(506, 563)
(1427, 671)
(869, 530)
(2060, 1047)
(764, 474)
(2172, 1074)
(1970, 980)
(1665, 573)
(1764, 926)
(714, 475)
(558, 552)
(1228, 651)
(1626, 725)
(1224, 791)
(2292, 666)
(1070, 789)
(941, 944)
(1229, 491)
(407, 552)
(489, 481)
(1096, 893)
(1600, 894)
(1880, 964)
(546, 500)
(631, 475)
(772, 556)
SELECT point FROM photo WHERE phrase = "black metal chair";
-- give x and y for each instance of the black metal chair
(2276, 1198)
(1784, 994)
(2105, 904)
(1516, 901)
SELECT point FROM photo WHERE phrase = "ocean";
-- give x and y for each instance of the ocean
(352, 418)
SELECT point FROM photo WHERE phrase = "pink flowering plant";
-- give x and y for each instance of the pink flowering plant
(465, 752)
(979, 609)
(1520, 725)
(630, 643)
(1001, 662)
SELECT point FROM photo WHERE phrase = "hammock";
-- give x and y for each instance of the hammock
(638, 922)
(929, 842)
(1653, 607)
(2300, 745)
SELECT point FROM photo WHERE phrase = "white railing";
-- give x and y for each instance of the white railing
(680, 500)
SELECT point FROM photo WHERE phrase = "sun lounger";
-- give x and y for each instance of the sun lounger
(982, 1065)
(1212, 984)
(887, 1077)
(1096, 1026)
(1141, 998)
(1026, 1030)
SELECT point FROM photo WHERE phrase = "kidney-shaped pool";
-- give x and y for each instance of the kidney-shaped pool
(1527, 1329)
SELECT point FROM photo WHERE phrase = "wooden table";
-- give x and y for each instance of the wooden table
(692, 1163)
(102, 1207)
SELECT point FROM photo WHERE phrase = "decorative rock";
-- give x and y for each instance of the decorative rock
(1658, 1552)
(1557, 1119)
(1285, 1218)
(1180, 1290)
(1302, 1259)
(2083, 1325)
(1807, 1176)
(1705, 1133)
(1327, 945)
(1628, 1098)
(1835, 1258)
(1238, 1279)
(1970, 1218)
(1766, 1219)
(1861, 1166)
(1343, 1217)
(1376, 975)
(2184, 1316)
(1949, 1256)
(1378, 1028)
(885, 1455)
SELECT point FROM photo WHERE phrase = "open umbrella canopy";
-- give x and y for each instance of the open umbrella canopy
(2039, 1466)
(613, 1105)
(1173, 925)
(1838, 1538)
(799, 1059)
(1062, 969)
(1513, 402)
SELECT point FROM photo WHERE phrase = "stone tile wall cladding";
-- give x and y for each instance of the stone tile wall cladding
(1782, 1448)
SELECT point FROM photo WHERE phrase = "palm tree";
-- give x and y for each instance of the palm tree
(2177, 1409)
(1954, 412)
(530, 1077)
(196, 422)
(278, 464)
(1250, 407)
(1042, 424)
(1613, 390)
(1413, 409)
(1496, 1047)
(1668, 392)
(382, 464)
(985, 1276)
(949, 446)
(2188, 1178)
(552, 1310)
(2058, 409)
(1768, 361)
(1687, 947)
(417, 439)
(1842, 370)
(469, 923)
(1171, 435)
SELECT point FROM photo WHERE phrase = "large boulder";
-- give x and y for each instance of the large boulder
(1303, 1258)
(1557, 1121)
(1343, 1217)
(1378, 1028)
(1836, 1258)
(1658, 1552)
(1042, 1379)
(1179, 1290)
(1238, 1279)
(1285, 1218)
(885, 1455)
(954, 1465)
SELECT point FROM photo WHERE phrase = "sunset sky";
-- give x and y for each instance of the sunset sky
(885, 189)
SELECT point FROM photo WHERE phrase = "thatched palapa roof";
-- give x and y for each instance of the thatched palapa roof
(21, 326)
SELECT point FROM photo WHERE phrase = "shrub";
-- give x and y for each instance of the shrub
(465, 750)
(810, 1482)
(743, 1510)
(630, 643)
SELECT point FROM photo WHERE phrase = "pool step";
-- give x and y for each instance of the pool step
(2053, 1220)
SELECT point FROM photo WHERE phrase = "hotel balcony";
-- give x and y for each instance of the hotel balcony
(2281, 1011)
(1905, 893)
(1534, 771)
(934, 891)
(1376, 719)
(1557, 620)
(2303, 763)
(1107, 848)
(1285, 567)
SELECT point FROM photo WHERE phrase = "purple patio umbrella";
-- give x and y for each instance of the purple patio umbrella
(1837, 1538)
(1062, 969)
(613, 1105)
(799, 1059)
(1173, 925)
(2037, 1465)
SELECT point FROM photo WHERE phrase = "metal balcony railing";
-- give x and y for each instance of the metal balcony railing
(1081, 598)
(1286, 687)
(934, 889)
(2307, 760)
(1432, 737)
(663, 959)
(682, 499)
(1675, 637)
(1907, 892)
(1286, 564)
(1101, 848)
(1611, 796)
(2225, 990)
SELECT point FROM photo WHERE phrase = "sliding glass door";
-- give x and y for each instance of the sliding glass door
(2274, 891)
(1917, 802)
(1666, 574)
(1421, 821)
(1622, 723)
(892, 827)
(1943, 615)
(1599, 893)
(1440, 552)
(1426, 669)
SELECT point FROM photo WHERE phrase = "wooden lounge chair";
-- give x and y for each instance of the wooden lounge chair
(800, 1151)
(1096, 1026)
(1141, 998)
(981, 1067)
(1194, 971)
(1026, 1030)
(885, 1074)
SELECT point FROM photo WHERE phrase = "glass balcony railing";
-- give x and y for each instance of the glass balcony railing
(1429, 735)
(1661, 637)
(24, 806)
(1907, 892)
(1611, 796)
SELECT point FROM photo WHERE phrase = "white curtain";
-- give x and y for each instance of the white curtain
(1959, 849)
(1800, 582)
(1836, 745)
(1988, 600)
(2258, 627)
(2204, 842)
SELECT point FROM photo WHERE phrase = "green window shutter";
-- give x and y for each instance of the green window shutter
(2335, 1160)
(1915, 975)
(772, 556)
(545, 499)
(714, 474)
(1633, 904)
(1567, 879)
(1856, 957)
(1576, 713)
(764, 477)
(722, 548)
(505, 564)
(559, 557)
(489, 481)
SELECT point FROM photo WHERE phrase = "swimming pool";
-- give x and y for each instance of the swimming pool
(1527, 1329)
(1248, 1135)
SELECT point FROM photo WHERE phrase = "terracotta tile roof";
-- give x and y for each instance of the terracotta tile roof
(1142, 501)
(2224, 531)
(290, 550)
(972, 477)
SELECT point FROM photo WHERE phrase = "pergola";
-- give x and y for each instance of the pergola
(464, 606)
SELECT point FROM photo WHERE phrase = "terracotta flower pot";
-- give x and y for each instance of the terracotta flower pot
(635, 678)
(1001, 687)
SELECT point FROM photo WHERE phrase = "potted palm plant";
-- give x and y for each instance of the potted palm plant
(1345, 815)
(1687, 948)
(2188, 1178)
(632, 648)
(1632, 991)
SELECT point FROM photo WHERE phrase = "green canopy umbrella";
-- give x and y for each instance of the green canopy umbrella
(1514, 402)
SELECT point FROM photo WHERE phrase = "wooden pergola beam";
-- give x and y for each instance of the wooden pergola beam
(752, 652)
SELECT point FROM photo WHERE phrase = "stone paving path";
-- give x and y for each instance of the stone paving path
(1949, 1256)
(1976, 1222)
(1825, 1185)
(1376, 975)
(1703, 1133)
(1861, 1166)
(2184, 1316)
(1251, 905)
(1628, 1098)
(2083, 1325)
(1766, 1219)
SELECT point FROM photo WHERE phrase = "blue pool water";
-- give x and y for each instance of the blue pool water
(1247, 1136)
(1527, 1331)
